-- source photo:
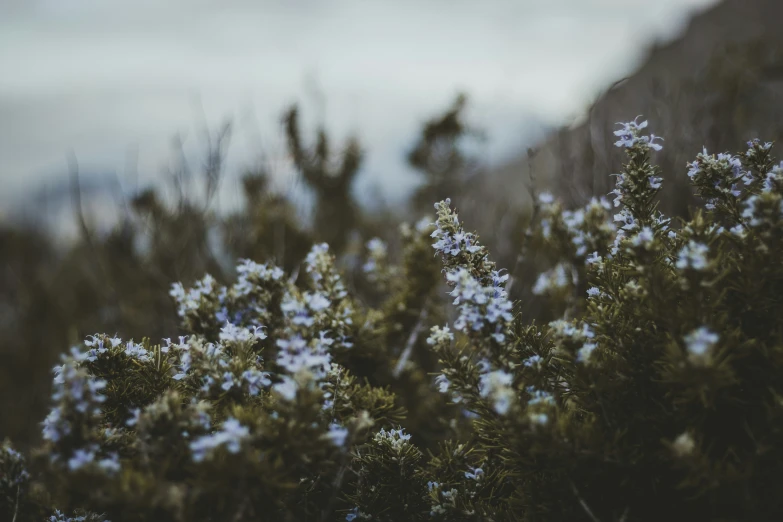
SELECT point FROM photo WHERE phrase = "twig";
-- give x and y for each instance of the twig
(76, 197)
(16, 507)
(411, 341)
(583, 503)
(338, 479)
(76, 201)
(531, 188)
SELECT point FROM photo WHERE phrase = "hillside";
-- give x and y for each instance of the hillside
(721, 79)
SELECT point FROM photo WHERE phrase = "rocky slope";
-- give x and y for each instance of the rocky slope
(717, 85)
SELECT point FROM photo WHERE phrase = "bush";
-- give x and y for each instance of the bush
(655, 393)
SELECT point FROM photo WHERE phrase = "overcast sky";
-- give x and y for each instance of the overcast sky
(113, 80)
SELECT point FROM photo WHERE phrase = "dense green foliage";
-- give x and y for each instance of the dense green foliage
(118, 280)
(653, 393)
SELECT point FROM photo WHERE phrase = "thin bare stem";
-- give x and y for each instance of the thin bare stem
(406, 354)
(583, 503)
(16, 507)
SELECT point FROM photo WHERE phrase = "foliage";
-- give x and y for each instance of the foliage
(330, 179)
(439, 156)
(654, 393)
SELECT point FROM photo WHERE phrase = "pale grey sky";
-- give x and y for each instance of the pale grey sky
(105, 77)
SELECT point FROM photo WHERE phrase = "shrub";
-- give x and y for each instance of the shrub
(654, 394)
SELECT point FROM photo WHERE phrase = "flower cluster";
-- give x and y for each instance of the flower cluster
(230, 435)
(629, 136)
(478, 288)
(574, 338)
(71, 422)
(496, 387)
(700, 343)
(13, 469)
(562, 276)
(377, 258)
(284, 400)
(718, 177)
(395, 438)
(576, 232)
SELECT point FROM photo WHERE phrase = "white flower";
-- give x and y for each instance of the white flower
(80, 459)
(189, 300)
(693, 255)
(454, 244)
(75, 390)
(496, 386)
(296, 310)
(533, 361)
(684, 444)
(231, 436)
(443, 383)
(286, 388)
(440, 335)
(376, 247)
(629, 136)
(539, 396)
(16, 474)
(538, 418)
(626, 218)
(337, 434)
(317, 262)
(397, 438)
(480, 305)
(296, 355)
(317, 302)
(228, 381)
(644, 238)
(236, 334)
(96, 347)
(700, 342)
(255, 380)
(137, 351)
(558, 277)
(134, 418)
(593, 259)
(583, 354)
(110, 464)
(474, 474)
(738, 230)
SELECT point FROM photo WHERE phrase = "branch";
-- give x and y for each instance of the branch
(583, 503)
(16, 507)
(406, 354)
(531, 188)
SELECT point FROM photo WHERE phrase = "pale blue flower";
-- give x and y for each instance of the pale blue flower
(337, 434)
(80, 459)
(255, 380)
(693, 255)
(474, 474)
(700, 341)
(231, 436)
(236, 334)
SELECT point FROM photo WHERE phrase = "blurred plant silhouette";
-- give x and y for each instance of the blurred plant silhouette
(439, 156)
(330, 178)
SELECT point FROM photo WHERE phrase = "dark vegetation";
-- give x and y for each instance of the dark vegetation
(626, 367)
